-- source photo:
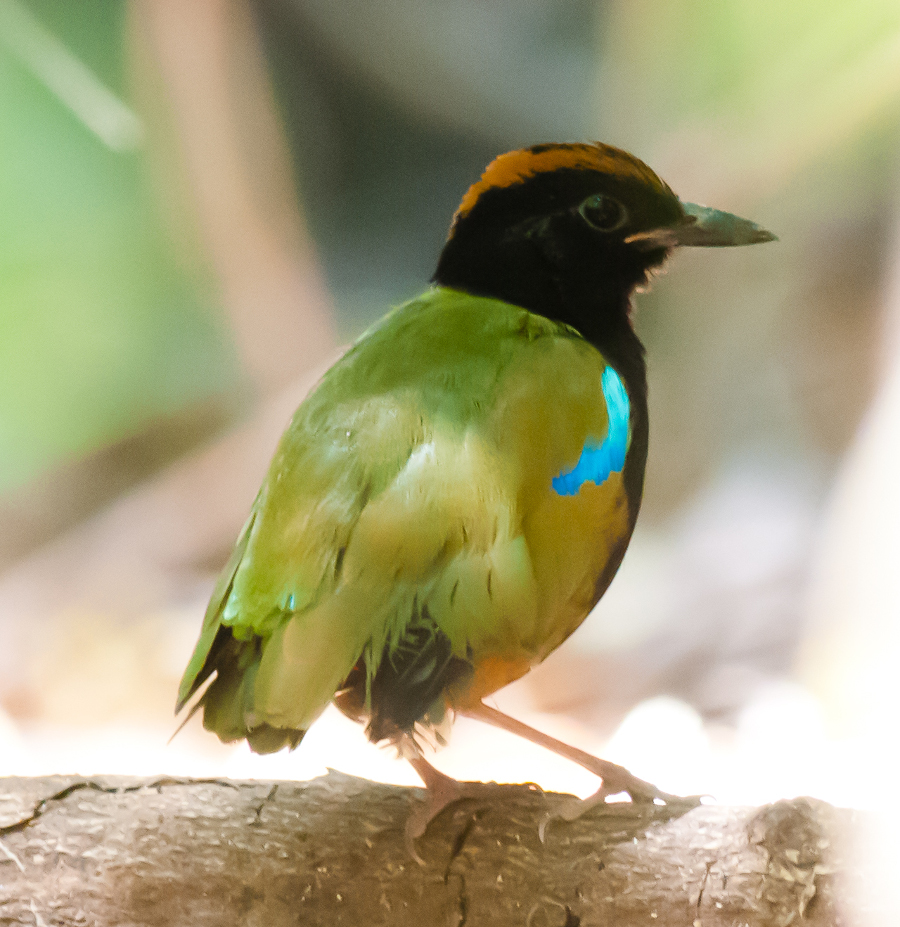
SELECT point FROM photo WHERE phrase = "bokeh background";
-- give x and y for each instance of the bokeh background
(202, 200)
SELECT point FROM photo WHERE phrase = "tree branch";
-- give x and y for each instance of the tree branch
(77, 851)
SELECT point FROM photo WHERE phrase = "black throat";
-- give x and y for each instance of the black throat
(556, 268)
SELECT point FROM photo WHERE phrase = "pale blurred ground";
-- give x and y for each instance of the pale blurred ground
(201, 199)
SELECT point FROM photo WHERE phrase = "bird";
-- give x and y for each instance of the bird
(453, 498)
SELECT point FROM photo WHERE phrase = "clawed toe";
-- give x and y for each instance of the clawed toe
(639, 791)
(440, 791)
(438, 796)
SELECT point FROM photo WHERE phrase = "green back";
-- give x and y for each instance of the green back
(409, 470)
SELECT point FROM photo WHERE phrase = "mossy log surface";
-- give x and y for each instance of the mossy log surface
(120, 852)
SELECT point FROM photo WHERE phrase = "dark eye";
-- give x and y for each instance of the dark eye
(603, 212)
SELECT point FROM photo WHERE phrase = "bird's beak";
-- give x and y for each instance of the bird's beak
(703, 227)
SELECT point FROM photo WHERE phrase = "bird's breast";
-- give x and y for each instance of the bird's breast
(573, 524)
(575, 542)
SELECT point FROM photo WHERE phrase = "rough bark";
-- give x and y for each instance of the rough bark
(332, 851)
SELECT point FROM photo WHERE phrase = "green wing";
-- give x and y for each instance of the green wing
(400, 481)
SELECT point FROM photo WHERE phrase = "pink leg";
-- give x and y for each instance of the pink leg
(442, 791)
(615, 778)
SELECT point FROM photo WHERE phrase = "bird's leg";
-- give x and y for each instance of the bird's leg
(615, 778)
(442, 790)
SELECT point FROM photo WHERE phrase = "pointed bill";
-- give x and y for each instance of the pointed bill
(713, 228)
(704, 227)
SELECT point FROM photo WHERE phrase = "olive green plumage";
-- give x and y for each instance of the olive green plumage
(458, 491)
(405, 481)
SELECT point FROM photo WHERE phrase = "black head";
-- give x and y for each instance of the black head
(569, 231)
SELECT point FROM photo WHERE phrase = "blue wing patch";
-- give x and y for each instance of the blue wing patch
(597, 461)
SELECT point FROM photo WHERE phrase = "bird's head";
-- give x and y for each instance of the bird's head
(569, 230)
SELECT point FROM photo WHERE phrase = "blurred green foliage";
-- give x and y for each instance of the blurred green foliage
(102, 325)
(789, 80)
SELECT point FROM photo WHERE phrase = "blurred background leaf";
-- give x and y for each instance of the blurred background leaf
(104, 325)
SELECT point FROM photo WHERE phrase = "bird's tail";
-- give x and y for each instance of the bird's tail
(227, 702)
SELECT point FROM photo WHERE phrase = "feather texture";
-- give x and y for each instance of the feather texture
(412, 495)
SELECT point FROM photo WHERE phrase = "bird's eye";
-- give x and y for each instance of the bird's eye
(603, 212)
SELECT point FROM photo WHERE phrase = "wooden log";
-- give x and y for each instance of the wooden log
(332, 851)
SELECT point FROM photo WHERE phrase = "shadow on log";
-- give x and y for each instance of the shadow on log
(114, 851)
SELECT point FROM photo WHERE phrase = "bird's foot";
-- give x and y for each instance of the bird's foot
(437, 798)
(617, 781)
(440, 792)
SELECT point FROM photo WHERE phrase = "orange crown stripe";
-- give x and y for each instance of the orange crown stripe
(517, 166)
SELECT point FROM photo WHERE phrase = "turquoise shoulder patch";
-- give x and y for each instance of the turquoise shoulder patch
(598, 461)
